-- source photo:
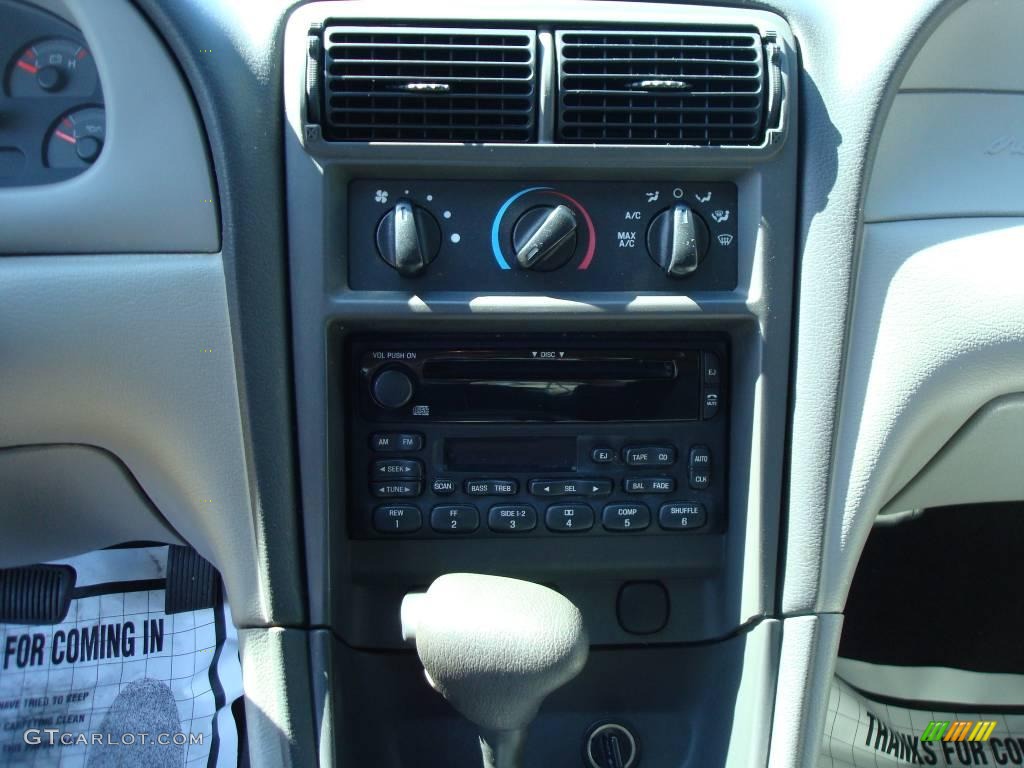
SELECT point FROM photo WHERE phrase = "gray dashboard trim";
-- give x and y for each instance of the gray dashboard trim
(60, 500)
(133, 354)
(981, 462)
(151, 190)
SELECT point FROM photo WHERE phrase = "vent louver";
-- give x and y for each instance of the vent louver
(433, 85)
(682, 86)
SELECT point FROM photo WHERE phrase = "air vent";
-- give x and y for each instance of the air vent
(683, 86)
(433, 85)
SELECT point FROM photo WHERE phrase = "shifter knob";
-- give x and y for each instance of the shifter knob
(495, 648)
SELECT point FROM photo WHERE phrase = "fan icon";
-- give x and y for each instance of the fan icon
(381, 196)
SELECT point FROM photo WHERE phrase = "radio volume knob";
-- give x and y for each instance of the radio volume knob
(545, 237)
(678, 240)
(408, 238)
(392, 388)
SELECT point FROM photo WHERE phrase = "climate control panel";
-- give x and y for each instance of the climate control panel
(528, 236)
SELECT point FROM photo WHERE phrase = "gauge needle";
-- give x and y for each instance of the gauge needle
(61, 135)
(30, 68)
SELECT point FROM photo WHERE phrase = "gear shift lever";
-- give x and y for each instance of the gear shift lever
(495, 648)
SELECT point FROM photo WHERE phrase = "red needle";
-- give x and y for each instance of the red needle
(61, 135)
(30, 68)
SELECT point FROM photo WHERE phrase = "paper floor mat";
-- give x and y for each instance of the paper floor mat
(120, 682)
(863, 732)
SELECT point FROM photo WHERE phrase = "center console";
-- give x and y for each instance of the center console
(541, 280)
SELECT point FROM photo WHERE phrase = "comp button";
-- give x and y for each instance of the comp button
(626, 517)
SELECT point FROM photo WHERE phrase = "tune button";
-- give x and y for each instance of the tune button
(569, 518)
(682, 516)
(512, 518)
(393, 489)
(626, 517)
(455, 518)
(397, 518)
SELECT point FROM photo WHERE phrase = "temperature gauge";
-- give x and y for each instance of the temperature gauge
(56, 65)
(77, 139)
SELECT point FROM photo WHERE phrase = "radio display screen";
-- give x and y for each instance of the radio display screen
(510, 454)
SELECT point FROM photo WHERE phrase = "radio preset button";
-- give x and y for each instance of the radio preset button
(682, 516)
(569, 518)
(396, 441)
(626, 517)
(455, 518)
(582, 487)
(395, 489)
(649, 484)
(443, 486)
(397, 518)
(386, 469)
(492, 487)
(650, 456)
(512, 518)
(602, 455)
(700, 467)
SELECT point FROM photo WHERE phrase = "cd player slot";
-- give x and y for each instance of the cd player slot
(526, 369)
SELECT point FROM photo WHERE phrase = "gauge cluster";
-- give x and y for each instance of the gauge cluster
(52, 123)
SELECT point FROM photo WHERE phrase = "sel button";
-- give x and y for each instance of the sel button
(512, 518)
(455, 518)
(626, 517)
(396, 518)
(569, 518)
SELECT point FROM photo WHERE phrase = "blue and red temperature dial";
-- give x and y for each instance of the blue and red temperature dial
(541, 229)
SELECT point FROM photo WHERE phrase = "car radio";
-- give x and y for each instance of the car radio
(566, 436)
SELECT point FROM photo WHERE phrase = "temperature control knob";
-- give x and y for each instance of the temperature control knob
(408, 238)
(545, 237)
(678, 240)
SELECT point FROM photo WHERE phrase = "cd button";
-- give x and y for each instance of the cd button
(396, 489)
(569, 518)
(649, 484)
(682, 516)
(442, 486)
(650, 456)
(491, 487)
(512, 518)
(626, 517)
(396, 518)
(455, 518)
(396, 441)
(387, 469)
